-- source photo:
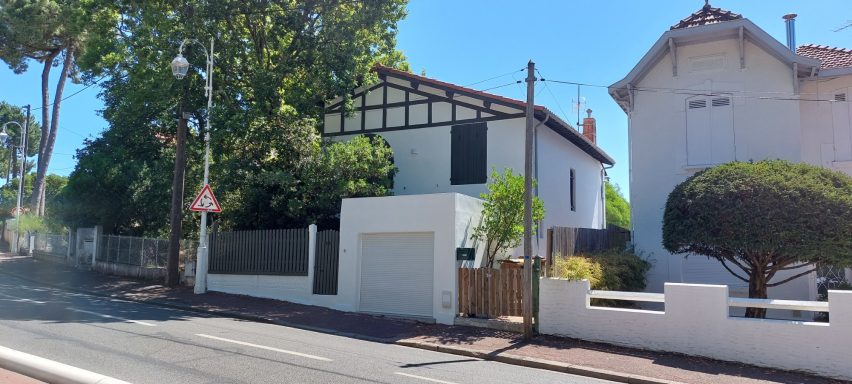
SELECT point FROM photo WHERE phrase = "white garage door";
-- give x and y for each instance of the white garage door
(396, 273)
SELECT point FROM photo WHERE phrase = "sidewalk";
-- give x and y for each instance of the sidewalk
(9, 377)
(556, 353)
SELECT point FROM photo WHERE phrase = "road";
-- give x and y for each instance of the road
(141, 344)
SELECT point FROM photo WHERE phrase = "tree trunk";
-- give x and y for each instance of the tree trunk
(45, 102)
(757, 290)
(36, 201)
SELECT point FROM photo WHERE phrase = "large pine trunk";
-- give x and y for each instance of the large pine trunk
(757, 290)
(37, 198)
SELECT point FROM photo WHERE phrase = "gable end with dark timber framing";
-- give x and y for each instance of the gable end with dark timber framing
(416, 105)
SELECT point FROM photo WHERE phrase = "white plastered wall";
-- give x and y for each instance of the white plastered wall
(449, 216)
(763, 129)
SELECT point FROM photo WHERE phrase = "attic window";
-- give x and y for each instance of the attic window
(701, 103)
(840, 97)
(721, 101)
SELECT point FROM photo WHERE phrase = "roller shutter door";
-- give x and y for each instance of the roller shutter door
(396, 273)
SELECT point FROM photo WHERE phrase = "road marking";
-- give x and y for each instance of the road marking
(22, 300)
(424, 378)
(264, 347)
(112, 317)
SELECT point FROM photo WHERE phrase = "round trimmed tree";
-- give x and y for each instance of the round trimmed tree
(758, 219)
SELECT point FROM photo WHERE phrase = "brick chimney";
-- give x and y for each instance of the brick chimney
(590, 127)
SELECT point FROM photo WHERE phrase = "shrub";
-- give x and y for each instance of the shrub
(577, 268)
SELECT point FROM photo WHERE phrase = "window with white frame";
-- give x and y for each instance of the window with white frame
(709, 130)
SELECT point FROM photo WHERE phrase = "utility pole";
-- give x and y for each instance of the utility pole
(172, 266)
(528, 160)
(21, 180)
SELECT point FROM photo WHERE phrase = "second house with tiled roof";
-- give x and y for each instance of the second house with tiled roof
(717, 88)
(448, 138)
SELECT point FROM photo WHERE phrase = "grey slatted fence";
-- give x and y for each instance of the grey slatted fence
(260, 252)
(326, 264)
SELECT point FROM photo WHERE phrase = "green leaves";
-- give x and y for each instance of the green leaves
(502, 225)
(617, 207)
(762, 217)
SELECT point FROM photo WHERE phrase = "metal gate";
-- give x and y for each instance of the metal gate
(326, 264)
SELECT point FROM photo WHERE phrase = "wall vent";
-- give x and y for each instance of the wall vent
(840, 97)
(721, 101)
(694, 104)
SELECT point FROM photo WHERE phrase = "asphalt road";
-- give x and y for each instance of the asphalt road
(141, 344)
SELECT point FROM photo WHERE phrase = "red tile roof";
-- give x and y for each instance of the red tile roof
(831, 57)
(707, 15)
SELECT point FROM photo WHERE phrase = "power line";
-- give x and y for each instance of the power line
(555, 99)
(495, 77)
(501, 86)
(73, 94)
(695, 92)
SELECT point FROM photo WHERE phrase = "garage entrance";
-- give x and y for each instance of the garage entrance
(397, 273)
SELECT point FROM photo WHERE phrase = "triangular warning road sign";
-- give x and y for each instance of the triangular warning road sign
(205, 201)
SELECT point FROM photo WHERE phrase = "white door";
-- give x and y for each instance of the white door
(396, 273)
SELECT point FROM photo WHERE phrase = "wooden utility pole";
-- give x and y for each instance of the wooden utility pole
(528, 161)
(172, 266)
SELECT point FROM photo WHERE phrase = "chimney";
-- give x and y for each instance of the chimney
(790, 20)
(589, 127)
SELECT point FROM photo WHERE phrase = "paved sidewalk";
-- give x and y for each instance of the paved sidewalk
(556, 353)
(9, 377)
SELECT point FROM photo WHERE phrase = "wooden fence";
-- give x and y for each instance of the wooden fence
(487, 292)
(566, 241)
(326, 263)
(261, 252)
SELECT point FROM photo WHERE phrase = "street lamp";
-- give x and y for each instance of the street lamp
(3, 137)
(180, 67)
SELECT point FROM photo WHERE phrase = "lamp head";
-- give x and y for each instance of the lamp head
(180, 66)
(3, 136)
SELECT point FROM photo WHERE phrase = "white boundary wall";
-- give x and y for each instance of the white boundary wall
(296, 289)
(696, 322)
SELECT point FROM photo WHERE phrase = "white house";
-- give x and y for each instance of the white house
(717, 88)
(448, 138)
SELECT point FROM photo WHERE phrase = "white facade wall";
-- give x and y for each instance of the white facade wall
(762, 129)
(826, 127)
(449, 216)
(696, 322)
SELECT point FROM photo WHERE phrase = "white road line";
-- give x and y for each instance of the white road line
(112, 317)
(22, 300)
(424, 378)
(264, 347)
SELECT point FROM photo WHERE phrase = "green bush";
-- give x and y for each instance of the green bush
(577, 268)
(612, 270)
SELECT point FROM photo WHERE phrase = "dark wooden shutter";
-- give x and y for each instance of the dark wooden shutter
(469, 154)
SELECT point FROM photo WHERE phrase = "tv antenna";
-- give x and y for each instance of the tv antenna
(847, 25)
(579, 104)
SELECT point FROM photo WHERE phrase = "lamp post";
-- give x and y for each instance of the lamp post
(180, 66)
(3, 137)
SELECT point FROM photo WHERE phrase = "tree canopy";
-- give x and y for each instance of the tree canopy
(502, 224)
(761, 218)
(276, 63)
(617, 207)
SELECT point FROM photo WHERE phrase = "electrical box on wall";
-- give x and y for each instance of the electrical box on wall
(465, 253)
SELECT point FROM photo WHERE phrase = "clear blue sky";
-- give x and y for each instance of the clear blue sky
(462, 42)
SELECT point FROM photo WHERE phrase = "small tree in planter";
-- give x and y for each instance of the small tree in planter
(758, 219)
(502, 225)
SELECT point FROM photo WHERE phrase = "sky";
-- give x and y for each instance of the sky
(468, 42)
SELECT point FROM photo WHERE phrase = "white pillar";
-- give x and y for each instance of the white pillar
(96, 242)
(32, 244)
(312, 253)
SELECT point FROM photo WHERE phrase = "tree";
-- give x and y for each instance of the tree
(502, 224)
(275, 67)
(617, 207)
(51, 33)
(762, 218)
(9, 156)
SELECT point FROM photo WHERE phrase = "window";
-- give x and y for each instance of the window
(469, 154)
(573, 190)
(709, 130)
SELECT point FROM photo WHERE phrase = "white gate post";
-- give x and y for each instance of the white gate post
(96, 242)
(312, 253)
(68, 246)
